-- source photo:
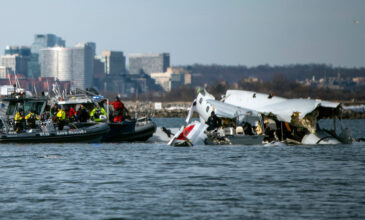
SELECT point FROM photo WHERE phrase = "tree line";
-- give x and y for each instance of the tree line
(207, 74)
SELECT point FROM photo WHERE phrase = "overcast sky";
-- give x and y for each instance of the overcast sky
(225, 32)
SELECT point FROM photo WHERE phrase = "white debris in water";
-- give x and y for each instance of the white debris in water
(355, 108)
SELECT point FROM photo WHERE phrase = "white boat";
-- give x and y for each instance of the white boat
(294, 120)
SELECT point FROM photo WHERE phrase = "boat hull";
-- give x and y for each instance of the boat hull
(246, 139)
(90, 134)
(130, 131)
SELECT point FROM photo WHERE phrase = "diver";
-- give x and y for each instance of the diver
(31, 119)
(247, 128)
(98, 113)
(19, 121)
(213, 122)
(60, 118)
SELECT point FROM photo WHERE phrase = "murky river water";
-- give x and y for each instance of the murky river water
(154, 181)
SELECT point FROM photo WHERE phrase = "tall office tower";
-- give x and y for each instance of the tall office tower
(99, 74)
(83, 65)
(69, 64)
(148, 62)
(114, 62)
(41, 41)
(56, 62)
(34, 67)
(65, 66)
(46, 40)
(48, 59)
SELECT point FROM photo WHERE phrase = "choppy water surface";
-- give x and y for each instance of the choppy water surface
(154, 181)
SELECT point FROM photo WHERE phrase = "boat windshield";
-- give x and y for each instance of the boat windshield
(36, 106)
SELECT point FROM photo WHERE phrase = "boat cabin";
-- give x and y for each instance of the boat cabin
(38, 105)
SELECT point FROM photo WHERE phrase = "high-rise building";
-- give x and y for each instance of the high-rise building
(16, 59)
(46, 40)
(99, 74)
(42, 41)
(83, 65)
(114, 62)
(48, 59)
(56, 62)
(148, 62)
(20, 50)
(4, 71)
(65, 67)
(69, 64)
(34, 67)
(16, 63)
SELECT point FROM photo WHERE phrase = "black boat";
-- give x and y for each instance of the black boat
(90, 134)
(129, 130)
(45, 130)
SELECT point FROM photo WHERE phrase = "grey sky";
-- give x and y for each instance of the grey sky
(200, 31)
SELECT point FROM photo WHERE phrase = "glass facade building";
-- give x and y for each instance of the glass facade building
(20, 50)
(69, 64)
(42, 41)
(83, 65)
(49, 62)
(46, 40)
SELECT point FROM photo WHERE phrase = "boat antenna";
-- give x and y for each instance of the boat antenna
(58, 87)
(17, 81)
(35, 89)
(47, 86)
(56, 90)
(8, 75)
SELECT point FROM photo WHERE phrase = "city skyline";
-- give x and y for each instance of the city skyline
(228, 33)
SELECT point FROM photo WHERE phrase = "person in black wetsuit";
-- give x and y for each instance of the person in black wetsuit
(213, 122)
(82, 114)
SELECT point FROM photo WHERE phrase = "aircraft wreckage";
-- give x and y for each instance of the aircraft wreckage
(255, 118)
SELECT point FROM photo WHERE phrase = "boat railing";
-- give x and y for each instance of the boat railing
(3, 109)
(5, 125)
